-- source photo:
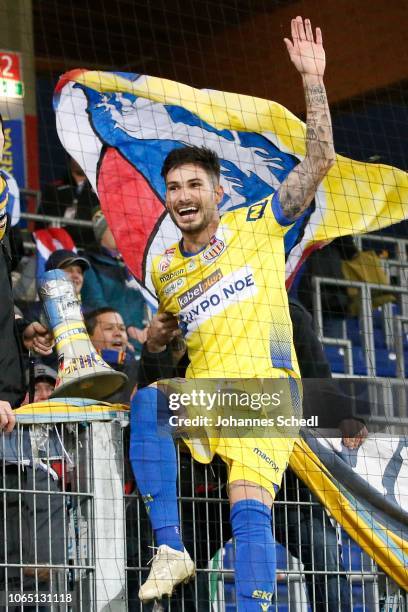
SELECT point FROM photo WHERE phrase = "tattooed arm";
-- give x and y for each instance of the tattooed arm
(298, 189)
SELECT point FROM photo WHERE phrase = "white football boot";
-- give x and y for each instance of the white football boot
(169, 568)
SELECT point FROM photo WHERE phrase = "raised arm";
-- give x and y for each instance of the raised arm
(307, 54)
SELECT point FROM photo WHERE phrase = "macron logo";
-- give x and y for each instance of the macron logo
(265, 457)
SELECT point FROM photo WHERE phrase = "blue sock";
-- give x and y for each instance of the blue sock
(255, 555)
(169, 536)
(154, 463)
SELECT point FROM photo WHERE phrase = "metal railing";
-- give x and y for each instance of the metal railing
(63, 534)
(30, 246)
(397, 266)
(366, 314)
(400, 245)
(55, 221)
(70, 532)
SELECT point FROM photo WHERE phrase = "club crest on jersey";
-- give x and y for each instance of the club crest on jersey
(165, 261)
(214, 249)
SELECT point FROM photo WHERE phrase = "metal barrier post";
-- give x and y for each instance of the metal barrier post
(109, 521)
(297, 589)
(318, 312)
(368, 330)
(399, 324)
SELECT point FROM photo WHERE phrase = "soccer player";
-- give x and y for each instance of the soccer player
(225, 283)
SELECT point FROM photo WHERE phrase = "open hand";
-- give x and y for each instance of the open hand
(306, 52)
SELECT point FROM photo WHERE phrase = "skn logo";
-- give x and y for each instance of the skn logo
(258, 594)
(214, 249)
(256, 211)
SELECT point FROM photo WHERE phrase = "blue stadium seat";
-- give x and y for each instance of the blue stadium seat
(377, 318)
(379, 338)
(354, 333)
(385, 361)
(353, 330)
(359, 363)
(336, 358)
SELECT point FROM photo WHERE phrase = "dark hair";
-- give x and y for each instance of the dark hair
(206, 158)
(90, 318)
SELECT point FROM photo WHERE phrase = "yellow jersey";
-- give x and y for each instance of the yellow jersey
(230, 297)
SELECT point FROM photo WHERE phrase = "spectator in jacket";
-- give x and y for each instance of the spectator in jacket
(107, 332)
(15, 332)
(108, 283)
(71, 198)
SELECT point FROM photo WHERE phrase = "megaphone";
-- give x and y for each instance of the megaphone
(81, 370)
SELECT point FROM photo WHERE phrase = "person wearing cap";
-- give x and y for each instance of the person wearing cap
(74, 266)
(44, 383)
(108, 283)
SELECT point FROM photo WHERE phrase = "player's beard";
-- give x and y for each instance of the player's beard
(193, 229)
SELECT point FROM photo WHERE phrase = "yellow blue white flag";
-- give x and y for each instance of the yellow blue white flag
(120, 126)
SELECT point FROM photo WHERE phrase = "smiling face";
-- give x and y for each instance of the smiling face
(192, 198)
(76, 276)
(109, 332)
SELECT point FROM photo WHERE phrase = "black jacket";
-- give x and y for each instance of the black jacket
(130, 368)
(155, 366)
(12, 371)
